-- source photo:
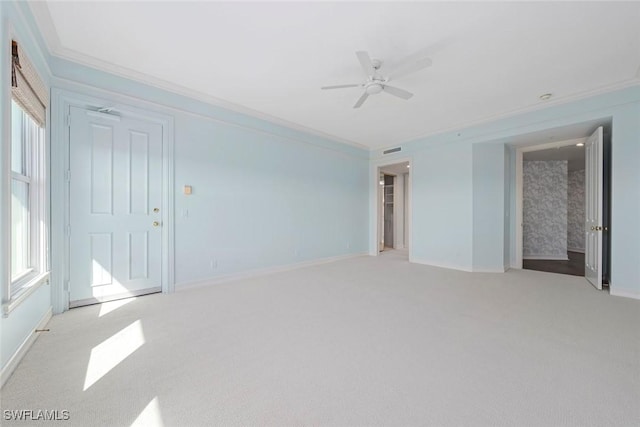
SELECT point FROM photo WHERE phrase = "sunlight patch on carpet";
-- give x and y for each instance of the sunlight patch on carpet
(150, 415)
(108, 307)
(108, 354)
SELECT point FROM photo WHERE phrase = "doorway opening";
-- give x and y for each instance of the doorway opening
(393, 208)
(553, 208)
(563, 201)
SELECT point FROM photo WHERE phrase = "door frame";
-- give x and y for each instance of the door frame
(519, 214)
(375, 201)
(62, 100)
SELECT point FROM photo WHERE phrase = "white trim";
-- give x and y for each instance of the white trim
(437, 264)
(16, 358)
(265, 271)
(168, 107)
(520, 150)
(24, 292)
(626, 293)
(36, 40)
(63, 99)
(6, 31)
(460, 127)
(123, 295)
(547, 257)
(38, 180)
(581, 251)
(517, 263)
(489, 270)
(46, 26)
(44, 22)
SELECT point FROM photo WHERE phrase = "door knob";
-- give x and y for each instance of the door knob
(156, 223)
(156, 210)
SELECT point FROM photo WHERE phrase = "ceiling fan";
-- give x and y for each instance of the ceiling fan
(377, 82)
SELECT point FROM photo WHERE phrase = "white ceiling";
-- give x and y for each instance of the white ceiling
(270, 59)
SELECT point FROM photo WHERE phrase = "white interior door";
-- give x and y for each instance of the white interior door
(593, 223)
(115, 216)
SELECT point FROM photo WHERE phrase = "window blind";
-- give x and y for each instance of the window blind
(27, 88)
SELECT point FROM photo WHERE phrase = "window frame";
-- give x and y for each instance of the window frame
(16, 290)
(32, 141)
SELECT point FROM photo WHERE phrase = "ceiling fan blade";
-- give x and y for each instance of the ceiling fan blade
(400, 93)
(361, 100)
(340, 86)
(411, 64)
(365, 61)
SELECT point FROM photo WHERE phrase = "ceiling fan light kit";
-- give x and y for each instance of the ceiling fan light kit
(376, 83)
(373, 88)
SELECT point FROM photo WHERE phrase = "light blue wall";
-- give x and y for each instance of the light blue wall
(21, 322)
(488, 206)
(438, 189)
(442, 219)
(625, 203)
(263, 195)
(260, 200)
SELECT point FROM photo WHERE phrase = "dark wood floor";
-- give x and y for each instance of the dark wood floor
(574, 266)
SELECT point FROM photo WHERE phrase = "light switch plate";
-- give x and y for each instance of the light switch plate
(187, 190)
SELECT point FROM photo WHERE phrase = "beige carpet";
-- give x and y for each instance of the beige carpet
(367, 341)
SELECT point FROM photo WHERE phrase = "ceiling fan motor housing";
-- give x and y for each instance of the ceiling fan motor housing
(373, 88)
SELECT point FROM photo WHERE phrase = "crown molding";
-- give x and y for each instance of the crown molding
(53, 44)
(517, 111)
(40, 13)
(45, 24)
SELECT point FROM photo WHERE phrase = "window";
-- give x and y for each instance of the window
(26, 197)
(28, 208)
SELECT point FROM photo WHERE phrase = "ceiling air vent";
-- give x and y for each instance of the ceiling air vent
(392, 150)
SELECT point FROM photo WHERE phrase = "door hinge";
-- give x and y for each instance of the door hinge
(68, 230)
(67, 175)
(68, 120)
(66, 287)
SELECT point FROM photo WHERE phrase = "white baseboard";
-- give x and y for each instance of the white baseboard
(626, 293)
(547, 257)
(441, 265)
(14, 361)
(489, 270)
(265, 271)
(575, 250)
